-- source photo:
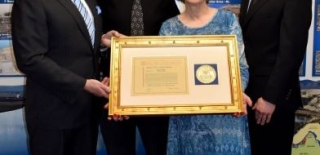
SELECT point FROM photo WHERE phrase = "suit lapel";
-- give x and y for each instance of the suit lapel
(243, 10)
(251, 12)
(72, 9)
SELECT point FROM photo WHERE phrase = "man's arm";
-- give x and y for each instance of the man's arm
(30, 37)
(294, 31)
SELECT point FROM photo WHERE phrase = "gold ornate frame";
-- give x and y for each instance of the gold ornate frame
(160, 75)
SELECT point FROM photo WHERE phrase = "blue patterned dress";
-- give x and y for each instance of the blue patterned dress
(209, 134)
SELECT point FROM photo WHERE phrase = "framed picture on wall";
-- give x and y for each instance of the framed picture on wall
(7, 62)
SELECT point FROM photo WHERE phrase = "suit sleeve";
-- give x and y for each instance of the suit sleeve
(30, 43)
(294, 30)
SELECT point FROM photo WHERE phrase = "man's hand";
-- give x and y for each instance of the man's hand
(106, 38)
(97, 88)
(263, 111)
(106, 81)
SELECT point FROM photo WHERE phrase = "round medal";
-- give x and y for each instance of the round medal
(206, 74)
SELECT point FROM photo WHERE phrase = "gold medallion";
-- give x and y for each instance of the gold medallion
(206, 74)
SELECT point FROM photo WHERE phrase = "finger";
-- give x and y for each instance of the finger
(258, 118)
(237, 114)
(120, 118)
(258, 121)
(109, 118)
(105, 81)
(256, 115)
(121, 35)
(109, 34)
(106, 106)
(103, 93)
(104, 36)
(115, 117)
(117, 34)
(249, 102)
(263, 120)
(126, 117)
(245, 112)
(268, 118)
(254, 106)
(106, 88)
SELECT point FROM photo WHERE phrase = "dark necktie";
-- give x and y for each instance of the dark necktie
(137, 27)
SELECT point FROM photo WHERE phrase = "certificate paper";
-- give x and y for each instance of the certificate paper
(159, 75)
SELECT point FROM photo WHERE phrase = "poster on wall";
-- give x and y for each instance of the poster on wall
(231, 5)
(307, 127)
(316, 45)
(5, 14)
(9, 92)
(7, 67)
(7, 62)
(302, 69)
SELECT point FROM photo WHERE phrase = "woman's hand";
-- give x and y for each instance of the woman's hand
(246, 102)
(116, 117)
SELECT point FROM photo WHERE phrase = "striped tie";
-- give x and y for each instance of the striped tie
(87, 17)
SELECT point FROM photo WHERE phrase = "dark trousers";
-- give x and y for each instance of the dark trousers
(120, 137)
(96, 117)
(274, 138)
(75, 141)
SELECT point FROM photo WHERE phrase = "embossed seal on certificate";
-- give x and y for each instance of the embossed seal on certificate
(206, 74)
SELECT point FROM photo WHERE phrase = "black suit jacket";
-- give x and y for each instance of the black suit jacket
(116, 15)
(53, 48)
(275, 35)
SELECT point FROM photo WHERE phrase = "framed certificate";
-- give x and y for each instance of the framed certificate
(160, 75)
